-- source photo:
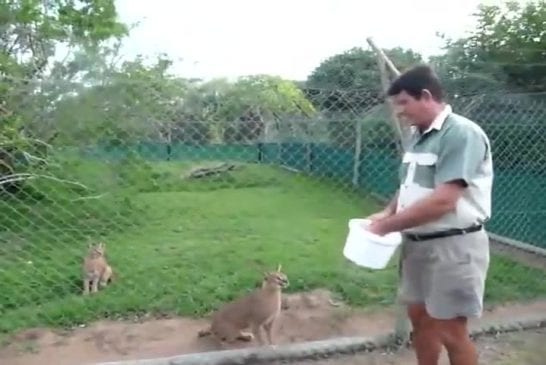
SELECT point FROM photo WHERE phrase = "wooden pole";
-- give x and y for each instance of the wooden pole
(402, 326)
(382, 54)
(383, 63)
(394, 119)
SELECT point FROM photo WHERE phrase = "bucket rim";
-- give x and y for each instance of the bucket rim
(382, 241)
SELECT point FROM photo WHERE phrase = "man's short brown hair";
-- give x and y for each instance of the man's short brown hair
(415, 80)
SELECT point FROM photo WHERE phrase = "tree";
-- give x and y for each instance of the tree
(504, 55)
(260, 106)
(350, 81)
(31, 32)
(507, 50)
(347, 85)
(132, 102)
(357, 69)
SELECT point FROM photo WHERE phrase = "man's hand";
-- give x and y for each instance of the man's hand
(375, 218)
(377, 227)
(379, 215)
(389, 210)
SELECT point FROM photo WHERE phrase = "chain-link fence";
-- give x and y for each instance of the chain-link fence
(195, 192)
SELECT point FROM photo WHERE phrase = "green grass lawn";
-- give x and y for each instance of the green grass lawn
(183, 247)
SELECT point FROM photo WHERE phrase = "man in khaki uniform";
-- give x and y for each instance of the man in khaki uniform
(446, 178)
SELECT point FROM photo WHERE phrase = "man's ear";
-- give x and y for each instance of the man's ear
(426, 95)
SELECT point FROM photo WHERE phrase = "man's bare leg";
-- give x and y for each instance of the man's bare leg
(455, 337)
(426, 341)
(430, 335)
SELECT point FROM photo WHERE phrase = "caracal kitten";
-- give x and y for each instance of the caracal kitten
(96, 269)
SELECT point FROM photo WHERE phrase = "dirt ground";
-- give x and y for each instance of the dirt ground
(307, 317)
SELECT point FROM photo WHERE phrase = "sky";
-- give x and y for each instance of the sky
(288, 38)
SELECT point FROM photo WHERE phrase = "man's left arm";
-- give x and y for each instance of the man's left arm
(458, 162)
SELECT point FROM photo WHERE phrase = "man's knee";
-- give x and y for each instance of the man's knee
(417, 314)
(449, 331)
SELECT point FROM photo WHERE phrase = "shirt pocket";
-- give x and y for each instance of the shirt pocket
(421, 168)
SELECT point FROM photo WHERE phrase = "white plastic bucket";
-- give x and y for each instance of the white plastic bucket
(367, 249)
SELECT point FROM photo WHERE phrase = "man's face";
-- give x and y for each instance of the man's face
(410, 109)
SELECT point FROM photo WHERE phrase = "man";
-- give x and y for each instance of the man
(442, 203)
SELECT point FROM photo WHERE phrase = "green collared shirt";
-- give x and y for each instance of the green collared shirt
(452, 148)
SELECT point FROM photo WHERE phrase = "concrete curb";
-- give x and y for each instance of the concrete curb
(495, 328)
(318, 349)
(289, 353)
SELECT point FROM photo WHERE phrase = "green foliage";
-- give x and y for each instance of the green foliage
(243, 107)
(350, 81)
(144, 102)
(134, 102)
(505, 51)
(348, 85)
(357, 69)
(31, 32)
(266, 95)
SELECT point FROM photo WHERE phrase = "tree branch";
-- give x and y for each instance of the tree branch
(27, 176)
(88, 197)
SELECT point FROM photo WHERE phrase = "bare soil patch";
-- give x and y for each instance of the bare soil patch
(306, 317)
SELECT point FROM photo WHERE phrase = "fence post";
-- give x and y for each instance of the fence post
(309, 157)
(358, 152)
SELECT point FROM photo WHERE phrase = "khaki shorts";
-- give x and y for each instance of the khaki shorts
(446, 274)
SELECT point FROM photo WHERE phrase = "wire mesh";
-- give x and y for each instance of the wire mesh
(196, 190)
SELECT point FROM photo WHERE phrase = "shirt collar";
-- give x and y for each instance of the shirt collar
(438, 122)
